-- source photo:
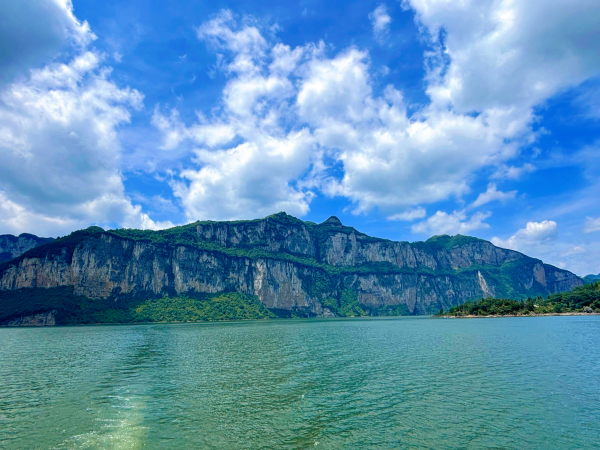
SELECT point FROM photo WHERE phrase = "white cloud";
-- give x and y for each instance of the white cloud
(248, 164)
(409, 215)
(542, 240)
(365, 147)
(455, 223)
(510, 54)
(592, 224)
(33, 31)
(533, 235)
(383, 152)
(493, 194)
(232, 183)
(380, 21)
(574, 250)
(59, 148)
(223, 32)
(511, 172)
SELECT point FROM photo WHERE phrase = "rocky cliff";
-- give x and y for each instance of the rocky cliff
(14, 246)
(288, 264)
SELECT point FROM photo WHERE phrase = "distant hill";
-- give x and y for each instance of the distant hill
(14, 246)
(290, 267)
(582, 299)
(589, 279)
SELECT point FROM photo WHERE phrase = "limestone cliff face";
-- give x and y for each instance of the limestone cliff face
(269, 235)
(14, 246)
(106, 265)
(288, 264)
(351, 248)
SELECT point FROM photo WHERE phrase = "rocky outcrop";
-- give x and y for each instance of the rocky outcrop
(288, 264)
(14, 246)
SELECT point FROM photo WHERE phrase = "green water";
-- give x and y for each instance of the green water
(329, 384)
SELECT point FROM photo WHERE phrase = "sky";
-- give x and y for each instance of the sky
(405, 119)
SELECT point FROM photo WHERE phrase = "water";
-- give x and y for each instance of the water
(329, 384)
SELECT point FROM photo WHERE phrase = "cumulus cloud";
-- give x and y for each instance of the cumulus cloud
(231, 183)
(592, 224)
(509, 54)
(276, 94)
(33, 31)
(380, 21)
(533, 235)
(493, 194)
(343, 140)
(223, 31)
(542, 240)
(249, 164)
(455, 223)
(59, 147)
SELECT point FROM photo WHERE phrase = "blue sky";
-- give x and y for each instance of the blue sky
(404, 119)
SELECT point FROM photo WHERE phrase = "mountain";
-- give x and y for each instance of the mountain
(13, 246)
(589, 279)
(291, 267)
(582, 299)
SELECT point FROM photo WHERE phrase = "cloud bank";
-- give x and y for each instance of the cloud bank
(60, 153)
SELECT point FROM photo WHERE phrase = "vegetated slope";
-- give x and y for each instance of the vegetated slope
(293, 268)
(585, 299)
(63, 307)
(14, 246)
(588, 279)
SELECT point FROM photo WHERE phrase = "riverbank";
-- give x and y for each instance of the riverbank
(494, 316)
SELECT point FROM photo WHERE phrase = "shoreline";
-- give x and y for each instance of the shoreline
(498, 316)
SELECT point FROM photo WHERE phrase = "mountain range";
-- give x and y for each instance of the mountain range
(14, 246)
(291, 267)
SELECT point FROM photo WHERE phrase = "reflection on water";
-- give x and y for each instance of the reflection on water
(377, 383)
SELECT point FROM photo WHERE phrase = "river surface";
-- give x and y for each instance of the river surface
(291, 384)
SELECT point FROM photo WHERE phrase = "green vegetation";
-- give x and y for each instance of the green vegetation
(72, 309)
(588, 279)
(504, 277)
(187, 236)
(347, 305)
(319, 280)
(446, 242)
(581, 299)
(228, 306)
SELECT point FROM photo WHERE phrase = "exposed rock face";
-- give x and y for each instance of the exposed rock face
(288, 264)
(43, 319)
(13, 246)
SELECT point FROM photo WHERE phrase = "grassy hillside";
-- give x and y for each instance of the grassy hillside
(581, 299)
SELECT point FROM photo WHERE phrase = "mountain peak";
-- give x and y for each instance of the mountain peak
(333, 220)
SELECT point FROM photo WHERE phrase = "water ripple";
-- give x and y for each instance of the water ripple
(326, 384)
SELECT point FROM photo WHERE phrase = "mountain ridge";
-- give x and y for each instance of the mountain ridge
(12, 246)
(288, 264)
(591, 278)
